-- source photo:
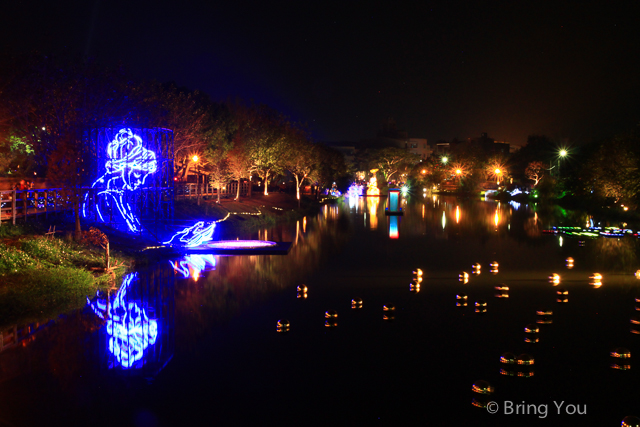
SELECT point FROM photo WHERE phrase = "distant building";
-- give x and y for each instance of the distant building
(399, 138)
(489, 145)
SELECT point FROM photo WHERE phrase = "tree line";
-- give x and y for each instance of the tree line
(48, 103)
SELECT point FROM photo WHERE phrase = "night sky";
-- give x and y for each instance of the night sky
(569, 70)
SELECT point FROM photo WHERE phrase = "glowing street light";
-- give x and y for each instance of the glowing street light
(445, 159)
(561, 155)
(497, 172)
(195, 159)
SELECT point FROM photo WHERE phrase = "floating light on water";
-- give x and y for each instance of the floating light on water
(461, 303)
(620, 353)
(620, 367)
(417, 273)
(531, 329)
(635, 330)
(630, 421)
(481, 303)
(389, 316)
(596, 277)
(494, 267)
(331, 314)
(503, 294)
(562, 300)
(302, 288)
(502, 287)
(481, 310)
(414, 287)
(531, 339)
(356, 303)
(388, 307)
(544, 312)
(508, 358)
(635, 320)
(461, 296)
(525, 359)
(464, 277)
(569, 263)
(544, 320)
(562, 291)
(282, 325)
(302, 295)
(482, 387)
(555, 279)
(637, 274)
(331, 323)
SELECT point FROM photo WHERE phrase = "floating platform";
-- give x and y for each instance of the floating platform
(241, 247)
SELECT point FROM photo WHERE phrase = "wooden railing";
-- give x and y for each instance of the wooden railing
(23, 203)
(183, 190)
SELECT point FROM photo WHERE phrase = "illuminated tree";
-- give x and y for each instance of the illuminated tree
(614, 170)
(535, 171)
(300, 158)
(239, 163)
(329, 167)
(263, 131)
(391, 159)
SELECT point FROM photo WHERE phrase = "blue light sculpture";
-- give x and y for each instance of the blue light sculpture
(127, 167)
(193, 236)
(129, 328)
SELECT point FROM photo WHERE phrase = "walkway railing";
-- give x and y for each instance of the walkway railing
(23, 203)
(184, 190)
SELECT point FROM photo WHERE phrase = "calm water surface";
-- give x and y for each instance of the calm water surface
(206, 350)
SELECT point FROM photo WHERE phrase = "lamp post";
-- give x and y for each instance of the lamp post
(561, 155)
(195, 159)
(498, 172)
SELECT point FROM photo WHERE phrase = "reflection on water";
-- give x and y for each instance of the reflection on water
(129, 328)
(217, 312)
(194, 264)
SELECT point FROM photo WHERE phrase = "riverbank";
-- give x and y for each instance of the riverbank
(247, 215)
(44, 276)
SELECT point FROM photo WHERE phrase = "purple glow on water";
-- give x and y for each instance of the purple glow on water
(238, 244)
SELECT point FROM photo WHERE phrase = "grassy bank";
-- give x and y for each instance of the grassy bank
(42, 277)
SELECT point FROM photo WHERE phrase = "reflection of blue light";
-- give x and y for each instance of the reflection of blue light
(195, 235)
(127, 168)
(393, 227)
(129, 328)
(194, 263)
(514, 204)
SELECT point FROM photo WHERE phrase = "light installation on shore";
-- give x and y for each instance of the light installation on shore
(127, 168)
(372, 187)
(193, 236)
(129, 328)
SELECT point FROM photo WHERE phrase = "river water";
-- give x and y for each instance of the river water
(193, 341)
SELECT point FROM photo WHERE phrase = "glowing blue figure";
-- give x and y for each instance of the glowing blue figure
(195, 235)
(129, 328)
(193, 265)
(127, 168)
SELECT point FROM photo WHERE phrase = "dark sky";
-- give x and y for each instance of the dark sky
(441, 70)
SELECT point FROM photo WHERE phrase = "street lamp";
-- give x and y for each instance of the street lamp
(561, 155)
(445, 159)
(498, 172)
(195, 159)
